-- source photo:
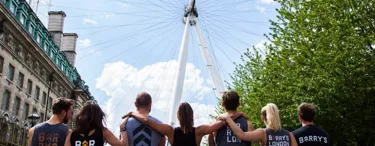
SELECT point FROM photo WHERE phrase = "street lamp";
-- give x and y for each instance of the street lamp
(33, 118)
(50, 79)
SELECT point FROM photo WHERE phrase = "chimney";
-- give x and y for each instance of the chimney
(56, 26)
(69, 47)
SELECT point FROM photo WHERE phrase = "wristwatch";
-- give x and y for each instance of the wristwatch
(123, 129)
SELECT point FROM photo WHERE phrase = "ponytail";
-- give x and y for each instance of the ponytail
(185, 115)
(271, 115)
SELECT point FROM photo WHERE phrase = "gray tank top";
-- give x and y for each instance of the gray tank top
(279, 138)
(142, 135)
(49, 135)
(226, 137)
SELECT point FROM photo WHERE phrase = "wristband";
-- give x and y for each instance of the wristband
(123, 129)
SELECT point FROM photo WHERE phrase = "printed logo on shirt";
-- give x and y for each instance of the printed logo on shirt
(313, 138)
(278, 140)
(48, 139)
(231, 137)
(85, 143)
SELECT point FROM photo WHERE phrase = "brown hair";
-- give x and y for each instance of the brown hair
(61, 104)
(307, 112)
(231, 100)
(143, 100)
(90, 117)
(185, 116)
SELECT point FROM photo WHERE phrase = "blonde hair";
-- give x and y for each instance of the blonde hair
(271, 114)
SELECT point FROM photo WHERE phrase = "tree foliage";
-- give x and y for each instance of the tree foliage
(320, 52)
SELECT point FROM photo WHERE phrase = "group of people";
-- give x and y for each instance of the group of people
(232, 128)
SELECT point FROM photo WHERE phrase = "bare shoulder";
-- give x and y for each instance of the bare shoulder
(31, 130)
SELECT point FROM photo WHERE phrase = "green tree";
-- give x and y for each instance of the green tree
(321, 52)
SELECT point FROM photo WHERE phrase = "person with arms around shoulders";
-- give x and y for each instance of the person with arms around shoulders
(53, 132)
(137, 132)
(186, 134)
(90, 128)
(225, 136)
(272, 135)
(309, 134)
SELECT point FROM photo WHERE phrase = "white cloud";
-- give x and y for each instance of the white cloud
(108, 15)
(84, 43)
(122, 82)
(267, 1)
(261, 9)
(89, 21)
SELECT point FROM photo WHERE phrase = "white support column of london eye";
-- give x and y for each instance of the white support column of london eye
(191, 20)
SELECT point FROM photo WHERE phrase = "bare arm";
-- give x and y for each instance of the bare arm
(124, 138)
(162, 141)
(160, 127)
(123, 133)
(209, 128)
(256, 135)
(111, 139)
(249, 126)
(211, 140)
(292, 139)
(30, 138)
(68, 136)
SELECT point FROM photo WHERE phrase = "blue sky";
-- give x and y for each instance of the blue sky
(128, 46)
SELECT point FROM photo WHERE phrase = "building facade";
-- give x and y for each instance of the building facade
(36, 68)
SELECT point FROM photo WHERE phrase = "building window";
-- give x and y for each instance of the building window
(20, 80)
(16, 106)
(1, 64)
(6, 98)
(25, 112)
(38, 39)
(50, 103)
(35, 111)
(29, 86)
(12, 8)
(62, 67)
(22, 19)
(10, 72)
(45, 47)
(51, 55)
(36, 93)
(31, 29)
(44, 98)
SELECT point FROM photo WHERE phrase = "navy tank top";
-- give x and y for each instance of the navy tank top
(279, 138)
(49, 135)
(226, 137)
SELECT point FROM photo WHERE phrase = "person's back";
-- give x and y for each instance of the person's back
(92, 138)
(277, 138)
(311, 135)
(184, 139)
(142, 135)
(46, 134)
(226, 137)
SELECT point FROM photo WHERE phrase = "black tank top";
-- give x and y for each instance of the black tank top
(182, 139)
(95, 139)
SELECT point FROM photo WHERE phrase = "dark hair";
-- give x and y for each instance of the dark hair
(231, 100)
(143, 100)
(185, 116)
(61, 104)
(90, 117)
(307, 112)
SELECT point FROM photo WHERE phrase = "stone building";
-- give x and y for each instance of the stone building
(36, 68)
